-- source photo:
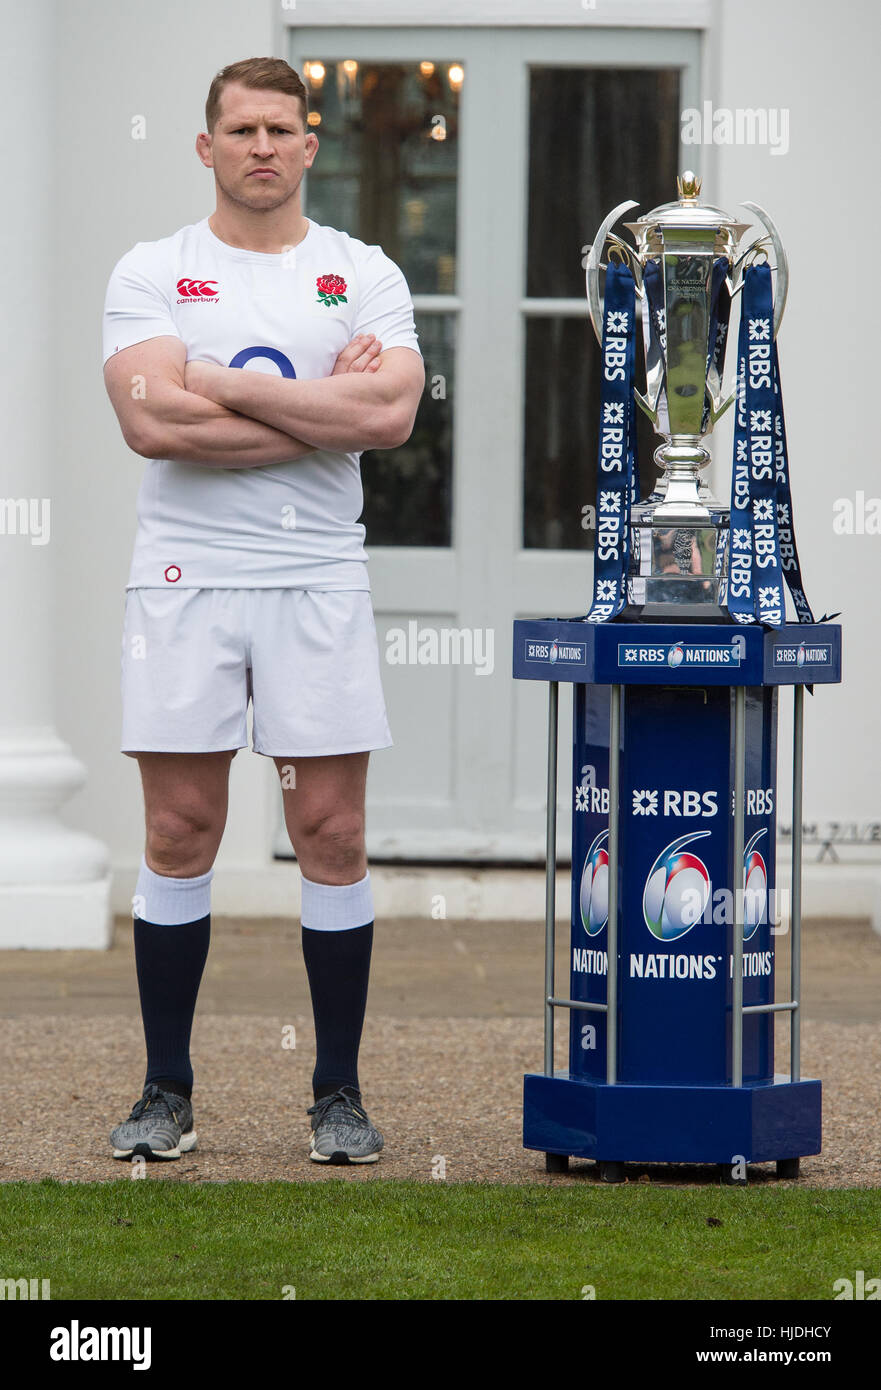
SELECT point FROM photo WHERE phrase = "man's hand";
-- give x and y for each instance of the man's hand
(361, 355)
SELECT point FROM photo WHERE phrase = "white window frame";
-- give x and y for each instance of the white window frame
(654, 14)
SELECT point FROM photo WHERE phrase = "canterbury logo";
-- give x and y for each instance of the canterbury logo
(197, 289)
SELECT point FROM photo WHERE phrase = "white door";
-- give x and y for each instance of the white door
(483, 161)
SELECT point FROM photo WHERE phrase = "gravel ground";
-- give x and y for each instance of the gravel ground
(438, 1088)
(453, 1023)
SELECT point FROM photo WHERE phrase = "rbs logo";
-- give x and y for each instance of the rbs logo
(675, 803)
(758, 801)
(690, 803)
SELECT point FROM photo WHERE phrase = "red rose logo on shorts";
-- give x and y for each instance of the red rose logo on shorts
(172, 574)
(331, 289)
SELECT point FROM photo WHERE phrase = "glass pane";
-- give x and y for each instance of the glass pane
(597, 137)
(561, 434)
(408, 491)
(386, 169)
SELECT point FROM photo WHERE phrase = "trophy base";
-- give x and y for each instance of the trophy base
(674, 613)
(677, 573)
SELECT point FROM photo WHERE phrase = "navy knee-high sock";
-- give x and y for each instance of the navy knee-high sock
(172, 931)
(170, 961)
(338, 966)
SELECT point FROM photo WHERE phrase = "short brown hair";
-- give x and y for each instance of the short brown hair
(272, 74)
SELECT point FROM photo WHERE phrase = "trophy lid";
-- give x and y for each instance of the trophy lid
(686, 215)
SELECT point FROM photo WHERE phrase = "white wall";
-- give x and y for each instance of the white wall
(117, 59)
(820, 62)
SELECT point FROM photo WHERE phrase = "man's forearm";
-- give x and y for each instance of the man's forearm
(194, 429)
(347, 413)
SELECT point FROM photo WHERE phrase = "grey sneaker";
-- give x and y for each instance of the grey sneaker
(342, 1132)
(160, 1126)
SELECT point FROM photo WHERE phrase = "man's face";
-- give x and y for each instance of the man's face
(260, 148)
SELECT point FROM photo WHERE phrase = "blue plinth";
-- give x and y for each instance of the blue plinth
(671, 1124)
(679, 874)
(676, 872)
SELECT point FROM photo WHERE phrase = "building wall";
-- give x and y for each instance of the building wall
(117, 60)
(824, 195)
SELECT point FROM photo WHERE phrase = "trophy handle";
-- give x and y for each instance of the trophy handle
(782, 287)
(594, 260)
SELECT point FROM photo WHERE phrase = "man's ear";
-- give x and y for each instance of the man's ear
(203, 149)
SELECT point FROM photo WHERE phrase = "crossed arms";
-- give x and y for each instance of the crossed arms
(228, 417)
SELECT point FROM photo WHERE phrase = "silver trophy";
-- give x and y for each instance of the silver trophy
(679, 534)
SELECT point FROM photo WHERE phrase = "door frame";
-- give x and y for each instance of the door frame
(486, 578)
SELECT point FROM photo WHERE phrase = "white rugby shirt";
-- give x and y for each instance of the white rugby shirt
(285, 525)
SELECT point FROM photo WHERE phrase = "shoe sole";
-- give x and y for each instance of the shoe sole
(185, 1144)
(341, 1158)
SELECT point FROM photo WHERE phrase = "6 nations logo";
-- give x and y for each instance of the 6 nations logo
(676, 654)
(556, 652)
(594, 895)
(788, 654)
(677, 889)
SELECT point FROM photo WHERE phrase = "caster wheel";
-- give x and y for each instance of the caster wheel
(557, 1163)
(787, 1167)
(611, 1171)
(729, 1180)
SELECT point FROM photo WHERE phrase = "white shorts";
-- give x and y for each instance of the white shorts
(307, 659)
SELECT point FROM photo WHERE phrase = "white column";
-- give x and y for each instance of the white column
(54, 882)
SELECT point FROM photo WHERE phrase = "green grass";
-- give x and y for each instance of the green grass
(405, 1240)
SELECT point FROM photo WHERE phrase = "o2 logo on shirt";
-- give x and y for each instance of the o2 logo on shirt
(284, 364)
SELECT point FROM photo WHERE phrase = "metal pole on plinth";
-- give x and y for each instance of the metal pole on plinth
(551, 874)
(737, 886)
(612, 964)
(795, 915)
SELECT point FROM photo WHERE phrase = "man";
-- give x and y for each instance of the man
(250, 358)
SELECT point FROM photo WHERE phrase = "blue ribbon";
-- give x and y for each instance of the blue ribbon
(785, 519)
(761, 502)
(617, 472)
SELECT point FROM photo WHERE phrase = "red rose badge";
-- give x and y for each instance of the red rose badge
(331, 289)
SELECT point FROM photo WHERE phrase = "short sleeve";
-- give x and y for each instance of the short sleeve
(384, 305)
(136, 306)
